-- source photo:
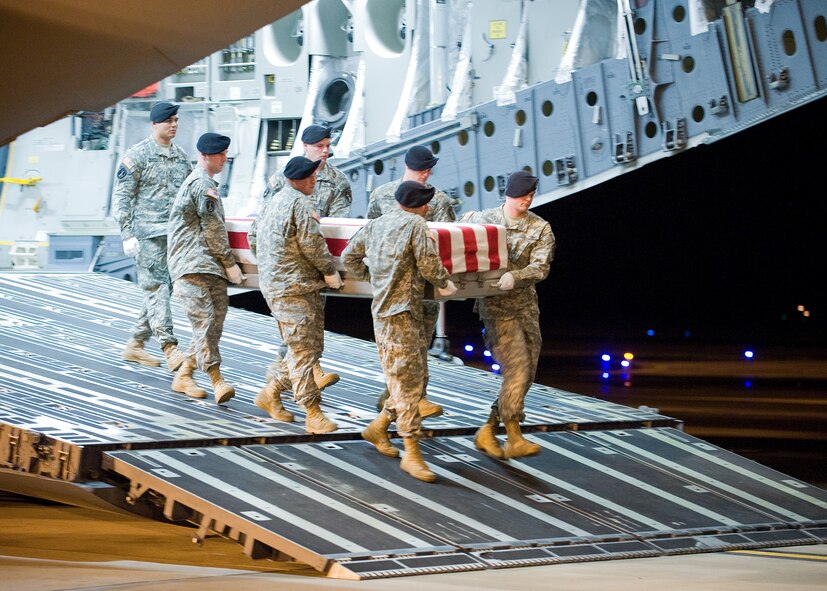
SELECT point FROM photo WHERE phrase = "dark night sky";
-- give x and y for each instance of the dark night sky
(721, 240)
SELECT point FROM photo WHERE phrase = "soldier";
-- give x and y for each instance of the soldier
(402, 255)
(419, 162)
(294, 265)
(331, 198)
(145, 185)
(200, 264)
(512, 320)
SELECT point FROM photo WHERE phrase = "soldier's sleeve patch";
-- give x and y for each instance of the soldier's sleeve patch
(210, 205)
(122, 172)
(127, 162)
(212, 193)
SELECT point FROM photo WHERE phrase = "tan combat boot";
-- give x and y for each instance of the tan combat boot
(428, 409)
(377, 434)
(412, 461)
(184, 383)
(269, 400)
(135, 352)
(222, 391)
(516, 446)
(486, 438)
(174, 355)
(316, 421)
(323, 379)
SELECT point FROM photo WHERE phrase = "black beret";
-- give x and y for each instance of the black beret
(420, 158)
(520, 183)
(162, 111)
(315, 133)
(413, 194)
(300, 167)
(212, 143)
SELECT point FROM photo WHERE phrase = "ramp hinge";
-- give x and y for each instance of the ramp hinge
(624, 151)
(674, 135)
(566, 170)
(779, 80)
(719, 106)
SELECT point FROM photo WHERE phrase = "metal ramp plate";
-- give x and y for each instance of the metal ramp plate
(350, 512)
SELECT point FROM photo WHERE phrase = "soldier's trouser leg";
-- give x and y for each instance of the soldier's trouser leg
(153, 278)
(398, 339)
(515, 344)
(205, 301)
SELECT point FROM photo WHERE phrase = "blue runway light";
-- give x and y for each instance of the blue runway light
(469, 348)
(605, 375)
(606, 357)
(624, 363)
(650, 333)
(487, 353)
(495, 366)
(749, 354)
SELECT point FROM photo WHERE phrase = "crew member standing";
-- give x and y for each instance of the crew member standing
(512, 320)
(200, 264)
(397, 254)
(145, 185)
(419, 162)
(331, 197)
(294, 265)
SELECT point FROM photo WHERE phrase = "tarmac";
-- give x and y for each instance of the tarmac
(51, 547)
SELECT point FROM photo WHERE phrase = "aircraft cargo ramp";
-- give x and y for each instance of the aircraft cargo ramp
(79, 425)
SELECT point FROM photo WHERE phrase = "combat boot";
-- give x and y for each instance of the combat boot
(428, 409)
(269, 400)
(377, 434)
(516, 446)
(135, 352)
(174, 355)
(184, 383)
(486, 438)
(412, 461)
(316, 421)
(323, 379)
(222, 391)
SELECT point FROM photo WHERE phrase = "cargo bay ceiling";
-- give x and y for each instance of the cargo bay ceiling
(64, 56)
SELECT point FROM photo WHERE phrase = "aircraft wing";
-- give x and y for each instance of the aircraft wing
(64, 56)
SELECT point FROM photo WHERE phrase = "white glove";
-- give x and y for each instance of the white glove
(131, 246)
(334, 281)
(449, 290)
(235, 275)
(506, 282)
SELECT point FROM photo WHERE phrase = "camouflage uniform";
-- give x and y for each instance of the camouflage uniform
(440, 209)
(145, 186)
(292, 260)
(199, 254)
(512, 320)
(402, 257)
(331, 197)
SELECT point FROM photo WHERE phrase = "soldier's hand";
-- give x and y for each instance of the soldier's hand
(506, 282)
(235, 275)
(131, 247)
(449, 289)
(334, 281)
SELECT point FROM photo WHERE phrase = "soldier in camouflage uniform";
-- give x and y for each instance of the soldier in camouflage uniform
(294, 265)
(512, 320)
(419, 162)
(397, 254)
(149, 175)
(331, 198)
(200, 264)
